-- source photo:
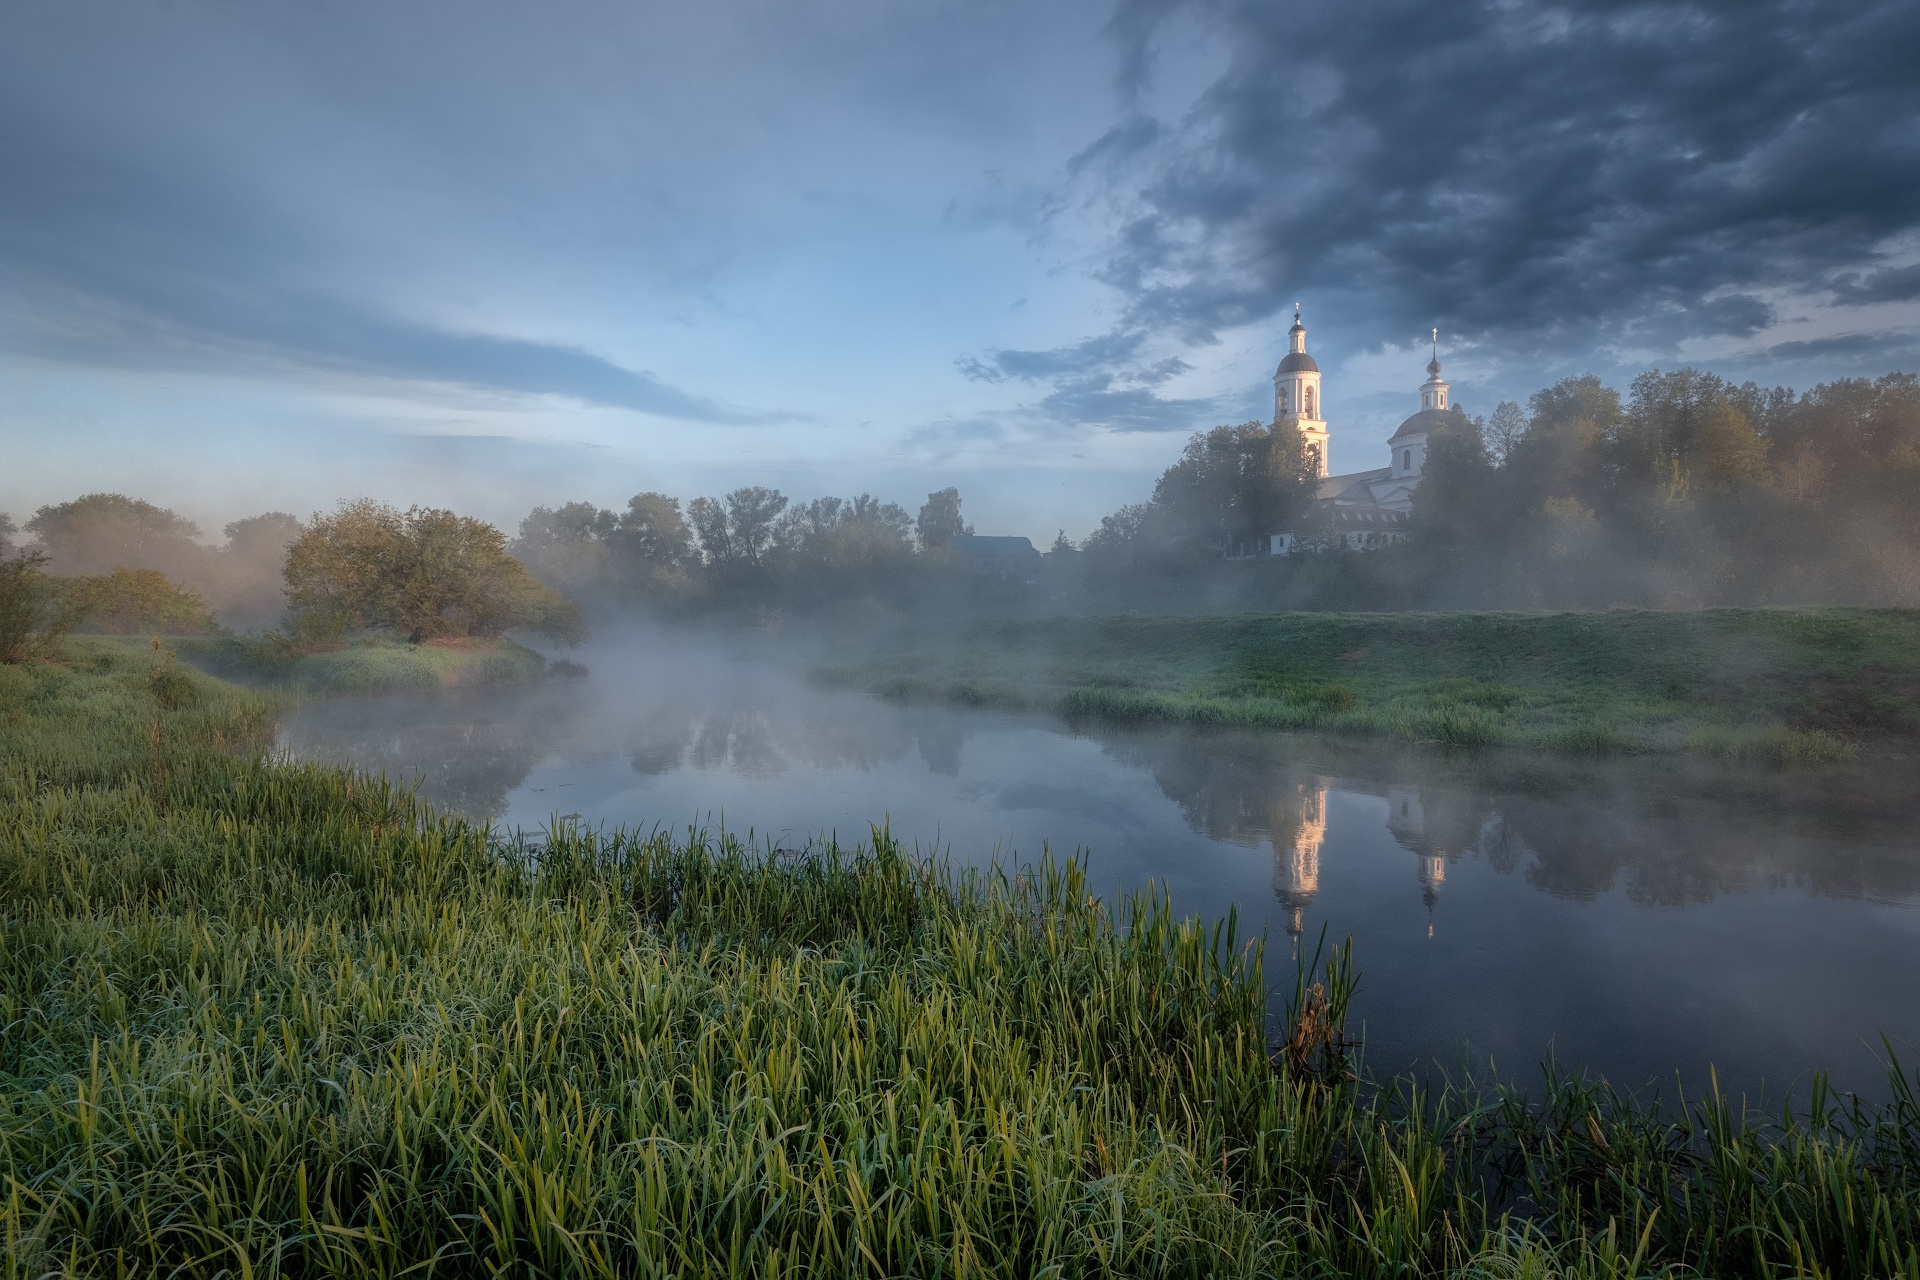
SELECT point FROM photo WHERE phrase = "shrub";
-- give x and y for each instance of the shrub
(33, 614)
(138, 602)
(422, 573)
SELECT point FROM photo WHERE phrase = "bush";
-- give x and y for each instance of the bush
(137, 602)
(422, 573)
(34, 616)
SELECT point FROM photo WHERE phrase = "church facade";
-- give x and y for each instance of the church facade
(1357, 509)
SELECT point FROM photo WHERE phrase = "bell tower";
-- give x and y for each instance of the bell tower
(1296, 396)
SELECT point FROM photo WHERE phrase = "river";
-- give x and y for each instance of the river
(1634, 918)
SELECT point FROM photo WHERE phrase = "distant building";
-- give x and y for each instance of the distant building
(996, 557)
(1359, 509)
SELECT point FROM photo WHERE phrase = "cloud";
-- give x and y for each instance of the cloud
(1541, 175)
(1891, 284)
(1851, 348)
(1097, 401)
(1104, 381)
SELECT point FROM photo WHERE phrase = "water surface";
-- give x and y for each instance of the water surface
(1634, 918)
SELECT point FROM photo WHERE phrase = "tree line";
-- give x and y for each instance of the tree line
(1687, 491)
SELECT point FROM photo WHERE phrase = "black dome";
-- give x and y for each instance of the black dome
(1297, 362)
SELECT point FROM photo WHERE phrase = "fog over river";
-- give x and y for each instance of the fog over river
(1631, 917)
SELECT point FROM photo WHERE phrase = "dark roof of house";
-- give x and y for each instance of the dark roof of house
(979, 544)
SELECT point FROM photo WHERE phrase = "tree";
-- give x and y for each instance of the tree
(1503, 430)
(940, 521)
(423, 573)
(651, 543)
(1062, 544)
(1456, 509)
(7, 530)
(1235, 483)
(34, 615)
(137, 602)
(749, 524)
(263, 537)
(104, 531)
(566, 547)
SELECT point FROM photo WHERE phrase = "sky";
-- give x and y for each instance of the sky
(490, 255)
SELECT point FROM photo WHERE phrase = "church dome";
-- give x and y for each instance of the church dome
(1297, 362)
(1422, 422)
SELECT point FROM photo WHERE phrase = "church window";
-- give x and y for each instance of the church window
(1406, 459)
(1310, 412)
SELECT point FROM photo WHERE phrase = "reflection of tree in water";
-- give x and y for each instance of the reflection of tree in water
(1669, 832)
(466, 750)
(761, 740)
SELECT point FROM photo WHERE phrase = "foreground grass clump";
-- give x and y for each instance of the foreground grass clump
(265, 1020)
(1790, 686)
(372, 664)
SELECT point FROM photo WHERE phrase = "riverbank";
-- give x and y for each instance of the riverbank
(1786, 685)
(285, 1020)
(375, 664)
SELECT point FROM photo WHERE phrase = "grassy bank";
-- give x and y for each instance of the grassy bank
(1782, 684)
(265, 1020)
(371, 665)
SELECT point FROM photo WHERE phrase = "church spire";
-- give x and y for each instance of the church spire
(1433, 392)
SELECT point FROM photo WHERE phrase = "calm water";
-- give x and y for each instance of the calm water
(1636, 918)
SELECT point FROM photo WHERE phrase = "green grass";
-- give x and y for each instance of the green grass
(370, 665)
(1784, 685)
(266, 1020)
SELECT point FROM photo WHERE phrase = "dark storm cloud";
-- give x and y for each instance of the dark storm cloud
(1549, 177)
(1894, 284)
(1852, 348)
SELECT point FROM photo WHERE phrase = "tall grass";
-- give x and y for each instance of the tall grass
(266, 1020)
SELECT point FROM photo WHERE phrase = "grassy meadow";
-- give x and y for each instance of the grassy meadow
(372, 664)
(1787, 685)
(273, 1020)
(269, 1019)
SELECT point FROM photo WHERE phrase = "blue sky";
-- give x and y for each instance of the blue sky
(490, 255)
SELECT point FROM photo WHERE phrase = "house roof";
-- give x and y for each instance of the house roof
(978, 544)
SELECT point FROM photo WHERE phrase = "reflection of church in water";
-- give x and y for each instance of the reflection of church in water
(1300, 829)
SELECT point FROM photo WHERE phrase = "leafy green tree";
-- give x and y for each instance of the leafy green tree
(567, 547)
(1502, 430)
(651, 544)
(34, 613)
(1456, 509)
(1233, 484)
(100, 532)
(940, 521)
(737, 532)
(843, 537)
(137, 602)
(423, 573)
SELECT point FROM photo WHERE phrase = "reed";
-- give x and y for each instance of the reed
(263, 1019)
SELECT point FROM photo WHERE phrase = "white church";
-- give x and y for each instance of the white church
(1360, 509)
